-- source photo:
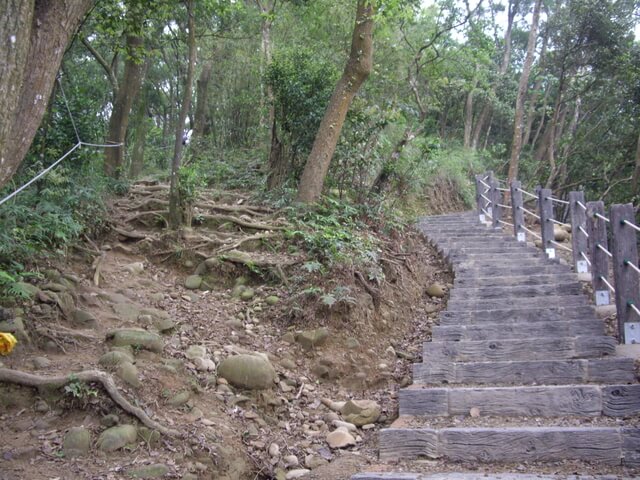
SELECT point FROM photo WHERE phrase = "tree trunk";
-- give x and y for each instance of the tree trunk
(380, 184)
(635, 181)
(267, 10)
(141, 123)
(175, 212)
(202, 102)
(531, 113)
(35, 35)
(355, 73)
(278, 161)
(468, 111)
(486, 111)
(516, 144)
(124, 97)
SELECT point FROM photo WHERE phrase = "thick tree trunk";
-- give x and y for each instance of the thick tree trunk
(468, 112)
(124, 97)
(278, 161)
(382, 180)
(202, 102)
(516, 144)
(355, 73)
(175, 212)
(33, 38)
(141, 123)
(267, 9)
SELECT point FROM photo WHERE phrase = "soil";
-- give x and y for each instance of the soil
(375, 334)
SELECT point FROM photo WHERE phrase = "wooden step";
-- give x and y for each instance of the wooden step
(603, 445)
(471, 304)
(519, 280)
(617, 370)
(541, 401)
(511, 315)
(522, 349)
(500, 271)
(506, 291)
(487, 331)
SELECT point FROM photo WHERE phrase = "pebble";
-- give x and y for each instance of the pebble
(274, 450)
(297, 473)
(291, 461)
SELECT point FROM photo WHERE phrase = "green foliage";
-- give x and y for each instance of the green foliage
(79, 392)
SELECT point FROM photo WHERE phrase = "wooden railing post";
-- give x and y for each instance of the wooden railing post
(627, 283)
(496, 209)
(479, 199)
(597, 229)
(545, 206)
(516, 209)
(579, 240)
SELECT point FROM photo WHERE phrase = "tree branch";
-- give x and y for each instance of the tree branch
(103, 63)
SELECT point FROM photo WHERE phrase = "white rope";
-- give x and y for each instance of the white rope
(635, 309)
(634, 267)
(602, 217)
(557, 222)
(100, 145)
(585, 258)
(559, 245)
(503, 189)
(40, 175)
(635, 227)
(487, 214)
(75, 129)
(609, 286)
(506, 223)
(581, 205)
(557, 200)
(484, 183)
(486, 198)
(532, 233)
(529, 212)
(604, 250)
(528, 193)
(583, 231)
(503, 206)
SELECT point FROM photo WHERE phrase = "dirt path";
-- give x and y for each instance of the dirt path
(226, 432)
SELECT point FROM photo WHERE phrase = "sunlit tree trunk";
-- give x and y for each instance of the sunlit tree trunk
(175, 212)
(516, 144)
(356, 72)
(34, 36)
(202, 102)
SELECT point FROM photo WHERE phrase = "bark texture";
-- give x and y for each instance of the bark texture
(33, 38)
(175, 212)
(201, 119)
(518, 122)
(355, 73)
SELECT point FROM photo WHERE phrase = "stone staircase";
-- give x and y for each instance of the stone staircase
(519, 370)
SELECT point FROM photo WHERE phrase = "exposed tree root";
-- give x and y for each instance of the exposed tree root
(242, 223)
(239, 243)
(375, 294)
(90, 376)
(97, 265)
(130, 234)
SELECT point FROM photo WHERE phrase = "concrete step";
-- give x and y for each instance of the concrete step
(513, 280)
(522, 349)
(517, 314)
(471, 304)
(476, 273)
(535, 372)
(510, 291)
(513, 262)
(602, 445)
(488, 331)
(511, 255)
(540, 401)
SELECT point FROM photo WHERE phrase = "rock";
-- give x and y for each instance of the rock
(81, 318)
(431, 308)
(76, 442)
(352, 343)
(349, 426)
(149, 471)
(250, 371)
(310, 339)
(297, 473)
(289, 338)
(179, 399)
(247, 294)
(274, 450)
(110, 420)
(151, 437)
(340, 438)
(474, 412)
(321, 371)
(235, 323)
(31, 290)
(41, 362)
(137, 339)
(271, 300)
(164, 325)
(135, 268)
(156, 297)
(127, 311)
(237, 291)
(193, 282)
(15, 326)
(291, 461)
(436, 289)
(196, 351)
(128, 372)
(114, 358)
(560, 234)
(314, 461)
(115, 438)
(361, 412)
(538, 243)
(288, 364)
(54, 287)
(204, 364)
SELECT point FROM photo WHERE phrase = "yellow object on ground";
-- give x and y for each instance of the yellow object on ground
(7, 342)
